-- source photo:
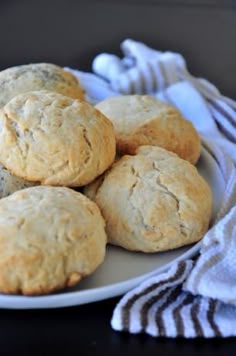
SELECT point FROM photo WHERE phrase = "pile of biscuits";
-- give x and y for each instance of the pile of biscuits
(74, 177)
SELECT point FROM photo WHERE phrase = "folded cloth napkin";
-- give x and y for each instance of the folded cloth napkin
(195, 297)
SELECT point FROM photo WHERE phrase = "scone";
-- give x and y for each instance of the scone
(144, 120)
(55, 140)
(50, 237)
(10, 183)
(20, 79)
(152, 201)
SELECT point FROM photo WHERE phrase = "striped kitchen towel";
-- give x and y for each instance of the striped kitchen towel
(194, 297)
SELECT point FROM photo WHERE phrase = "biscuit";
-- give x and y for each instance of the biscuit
(10, 183)
(24, 78)
(50, 237)
(152, 201)
(55, 140)
(144, 120)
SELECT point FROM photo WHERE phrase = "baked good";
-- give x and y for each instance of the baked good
(50, 237)
(55, 140)
(152, 201)
(10, 183)
(144, 120)
(23, 78)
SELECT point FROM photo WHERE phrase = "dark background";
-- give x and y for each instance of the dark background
(71, 33)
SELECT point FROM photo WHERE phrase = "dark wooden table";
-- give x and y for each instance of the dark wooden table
(70, 33)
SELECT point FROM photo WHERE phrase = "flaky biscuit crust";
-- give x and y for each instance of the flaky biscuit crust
(153, 201)
(30, 77)
(144, 120)
(50, 237)
(55, 140)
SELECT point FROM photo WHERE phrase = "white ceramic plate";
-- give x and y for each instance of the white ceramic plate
(122, 270)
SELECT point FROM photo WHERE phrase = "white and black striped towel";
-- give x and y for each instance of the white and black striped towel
(195, 297)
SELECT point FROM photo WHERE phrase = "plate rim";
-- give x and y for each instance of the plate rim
(94, 294)
(79, 297)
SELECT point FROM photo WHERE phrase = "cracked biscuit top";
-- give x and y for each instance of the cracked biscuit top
(152, 201)
(50, 237)
(55, 140)
(144, 120)
(20, 79)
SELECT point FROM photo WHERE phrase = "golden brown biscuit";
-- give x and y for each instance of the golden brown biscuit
(20, 79)
(50, 237)
(53, 139)
(144, 120)
(10, 183)
(153, 201)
